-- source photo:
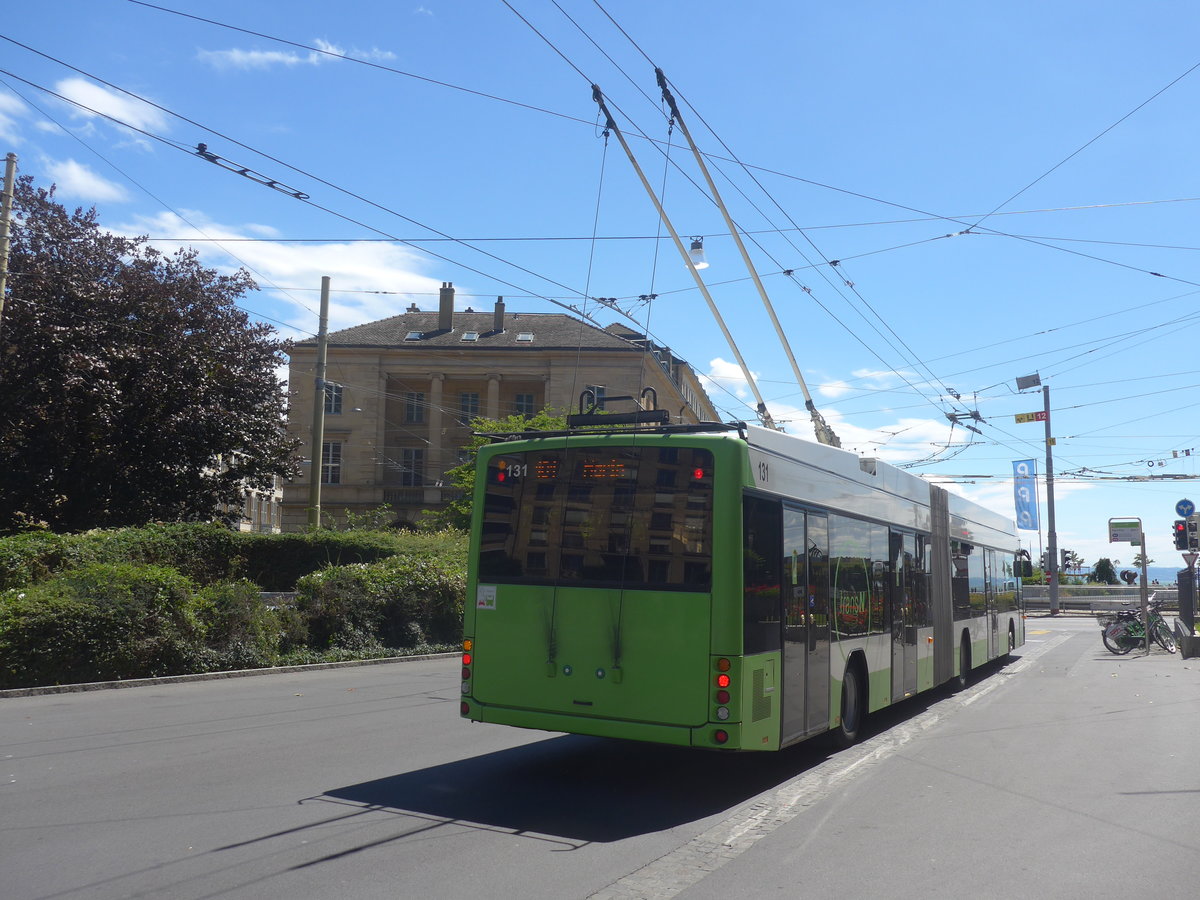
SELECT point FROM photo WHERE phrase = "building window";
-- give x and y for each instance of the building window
(333, 399)
(525, 337)
(524, 404)
(468, 407)
(414, 407)
(413, 336)
(470, 336)
(412, 467)
(331, 462)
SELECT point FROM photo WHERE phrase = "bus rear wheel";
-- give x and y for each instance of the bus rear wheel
(853, 709)
(963, 679)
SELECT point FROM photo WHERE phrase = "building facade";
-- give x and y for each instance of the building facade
(400, 394)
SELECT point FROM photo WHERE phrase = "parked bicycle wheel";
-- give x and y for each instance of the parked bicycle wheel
(1163, 636)
(1116, 640)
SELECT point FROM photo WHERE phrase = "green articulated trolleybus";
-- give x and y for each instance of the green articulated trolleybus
(721, 586)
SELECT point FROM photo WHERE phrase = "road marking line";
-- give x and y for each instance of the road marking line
(690, 863)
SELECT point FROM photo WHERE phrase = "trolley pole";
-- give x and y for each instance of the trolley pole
(318, 428)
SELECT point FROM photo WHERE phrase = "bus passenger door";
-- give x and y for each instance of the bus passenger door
(806, 623)
(993, 613)
(903, 551)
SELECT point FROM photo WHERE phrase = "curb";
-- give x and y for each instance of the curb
(210, 676)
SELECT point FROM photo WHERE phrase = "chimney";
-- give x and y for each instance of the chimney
(413, 308)
(446, 307)
(498, 321)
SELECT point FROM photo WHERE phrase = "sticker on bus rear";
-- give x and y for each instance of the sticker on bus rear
(485, 596)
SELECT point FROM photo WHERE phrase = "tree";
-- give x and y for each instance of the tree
(135, 390)
(1104, 572)
(457, 513)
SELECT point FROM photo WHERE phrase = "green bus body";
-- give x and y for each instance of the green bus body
(714, 588)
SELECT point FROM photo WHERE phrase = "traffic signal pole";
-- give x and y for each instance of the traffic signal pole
(1052, 535)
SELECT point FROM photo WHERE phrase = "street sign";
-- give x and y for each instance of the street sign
(1125, 531)
(1189, 559)
(1031, 417)
(1185, 508)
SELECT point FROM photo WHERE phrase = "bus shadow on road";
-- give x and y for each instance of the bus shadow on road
(584, 788)
(600, 789)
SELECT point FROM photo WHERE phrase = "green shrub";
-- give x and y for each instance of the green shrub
(34, 556)
(405, 601)
(240, 630)
(98, 622)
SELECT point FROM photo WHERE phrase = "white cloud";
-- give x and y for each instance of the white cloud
(725, 385)
(110, 103)
(10, 110)
(74, 179)
(291, 273)
(372, 55)
(266, 59)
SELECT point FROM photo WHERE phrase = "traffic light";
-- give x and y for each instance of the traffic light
(1062, 559)
(1181, 534)
(1193, 532)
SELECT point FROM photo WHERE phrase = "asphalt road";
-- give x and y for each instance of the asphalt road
(1067, 772)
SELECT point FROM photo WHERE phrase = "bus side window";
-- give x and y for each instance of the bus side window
(762, 543)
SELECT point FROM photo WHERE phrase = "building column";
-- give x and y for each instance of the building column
(493, 398)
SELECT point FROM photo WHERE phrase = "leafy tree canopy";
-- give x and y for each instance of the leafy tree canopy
(135, 388)
(1104, 572)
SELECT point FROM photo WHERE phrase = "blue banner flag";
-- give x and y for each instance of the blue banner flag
(1025, 493)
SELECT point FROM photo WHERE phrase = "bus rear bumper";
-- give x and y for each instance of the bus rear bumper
(678, 735)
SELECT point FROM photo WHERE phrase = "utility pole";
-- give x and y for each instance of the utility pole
(6, 203)
(1052, 535)
(318, 427)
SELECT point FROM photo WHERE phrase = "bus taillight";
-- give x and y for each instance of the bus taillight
(720, 736)
(467, 659)
(723, 695)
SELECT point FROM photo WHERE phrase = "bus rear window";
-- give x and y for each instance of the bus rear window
(632, 517)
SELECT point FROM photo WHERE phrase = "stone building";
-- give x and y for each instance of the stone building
(400, 392)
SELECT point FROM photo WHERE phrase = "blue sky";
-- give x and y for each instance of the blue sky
(1005, 189)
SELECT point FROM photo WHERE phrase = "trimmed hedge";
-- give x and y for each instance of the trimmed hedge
(211, 553)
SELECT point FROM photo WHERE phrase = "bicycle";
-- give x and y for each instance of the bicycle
(1122, 631)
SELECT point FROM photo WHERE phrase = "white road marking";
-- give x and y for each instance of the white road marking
(688, 864)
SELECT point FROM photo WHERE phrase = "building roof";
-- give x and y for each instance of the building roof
(549, 331)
